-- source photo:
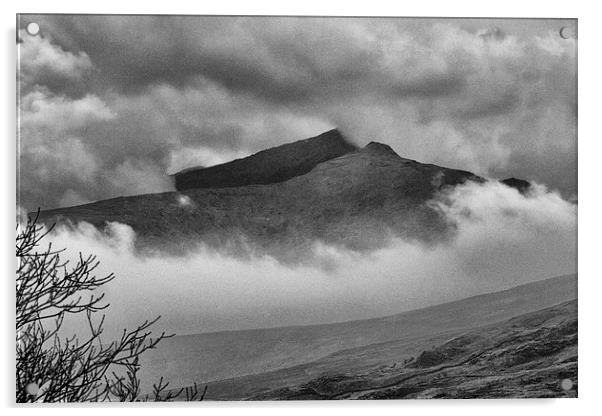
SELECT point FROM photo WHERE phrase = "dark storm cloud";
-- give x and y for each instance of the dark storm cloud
(139, 97)
(135, 53)
(282, 60)
(495, 33)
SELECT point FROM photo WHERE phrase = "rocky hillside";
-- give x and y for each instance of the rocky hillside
(333, 193)
(530, 356)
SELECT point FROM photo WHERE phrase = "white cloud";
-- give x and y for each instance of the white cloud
(71, 198)
(134, 177)
(57, 165)
(187, 157)
(40, 59)
(43, 113)
(503, 239)
(553, 44)
(185, 202)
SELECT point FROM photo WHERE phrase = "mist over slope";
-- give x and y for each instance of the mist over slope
(502, 238)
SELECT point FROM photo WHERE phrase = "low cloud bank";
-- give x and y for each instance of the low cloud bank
(503, 239)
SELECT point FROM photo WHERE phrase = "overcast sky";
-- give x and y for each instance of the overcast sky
(111, 105)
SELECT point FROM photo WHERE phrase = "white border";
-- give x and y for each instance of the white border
(590, 154)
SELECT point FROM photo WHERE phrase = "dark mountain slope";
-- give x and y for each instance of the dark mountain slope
(519, 184)
(268, 166)
(357, 200)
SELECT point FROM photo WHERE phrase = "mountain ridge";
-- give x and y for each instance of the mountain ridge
(354, 198)
(275, 164)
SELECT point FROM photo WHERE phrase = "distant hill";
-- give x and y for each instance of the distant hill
(532, 355)
(281, 200)
(249, 363)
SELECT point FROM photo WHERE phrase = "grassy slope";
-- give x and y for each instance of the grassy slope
(280, 357)
(528, 356)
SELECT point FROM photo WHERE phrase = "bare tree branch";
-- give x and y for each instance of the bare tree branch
(54, 368)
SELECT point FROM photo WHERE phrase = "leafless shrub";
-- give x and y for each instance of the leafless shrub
(54, 368)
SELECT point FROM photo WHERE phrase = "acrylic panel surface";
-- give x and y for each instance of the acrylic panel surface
(316, 207)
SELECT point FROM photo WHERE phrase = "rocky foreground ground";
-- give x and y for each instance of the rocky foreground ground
(530, 356)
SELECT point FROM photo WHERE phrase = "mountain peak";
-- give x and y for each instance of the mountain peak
(379, 149)
(332, 133)
(520, 185)
(276, 164)
(332, 137)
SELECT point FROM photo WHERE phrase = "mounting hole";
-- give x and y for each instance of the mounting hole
(32, 389)
(33, 28)
(566, 384)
